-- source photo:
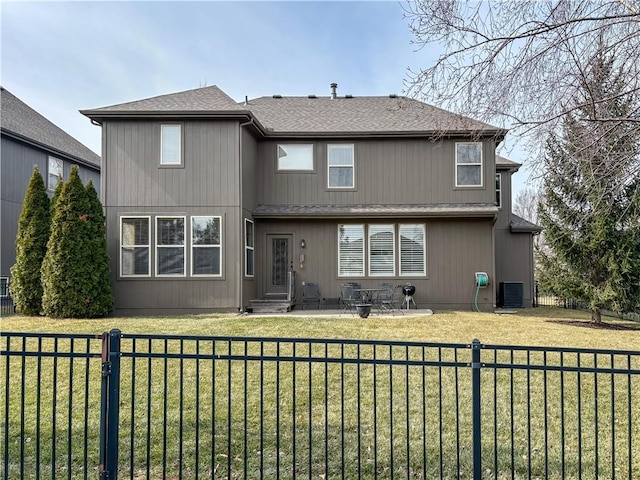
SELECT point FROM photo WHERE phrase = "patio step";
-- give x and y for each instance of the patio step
(270, 306)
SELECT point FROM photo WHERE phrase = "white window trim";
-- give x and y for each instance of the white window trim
(499, 188)
(6, 280)
(162, 162)
(61, 163)
(295, 170)
(148, 274)
(247, 248)
(192, 246)
(469, 165)
(393, 250)
(184, 247)
(352, 166)
(424, 250)
(364, 235)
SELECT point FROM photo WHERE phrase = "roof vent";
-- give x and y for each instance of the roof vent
(334, 93)
(348, 96)
(312, 96)
(393, 95)
(277, 96)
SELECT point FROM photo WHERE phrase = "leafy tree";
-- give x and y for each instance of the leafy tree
(72, 269)
(31, 246)
(591, 221)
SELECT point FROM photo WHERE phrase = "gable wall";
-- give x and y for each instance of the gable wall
(387, 171)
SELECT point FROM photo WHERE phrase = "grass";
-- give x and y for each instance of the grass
(189, 417)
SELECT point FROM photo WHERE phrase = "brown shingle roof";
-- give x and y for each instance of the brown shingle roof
(299, 115)
(506, 163)
(519, 224)
(359, 211)
(21, 121)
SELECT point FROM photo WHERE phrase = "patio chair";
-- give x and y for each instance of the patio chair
(310, 294)
(388, 297)
(349, 297)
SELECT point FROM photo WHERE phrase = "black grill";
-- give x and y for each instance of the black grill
(409, 289)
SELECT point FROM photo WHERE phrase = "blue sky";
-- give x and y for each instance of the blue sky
(60, 57)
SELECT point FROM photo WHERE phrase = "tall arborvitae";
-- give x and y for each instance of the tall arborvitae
(590, 209)
(100, 302)
(31, 245)
(68, 271)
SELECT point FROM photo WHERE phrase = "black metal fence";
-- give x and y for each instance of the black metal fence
(167, 406)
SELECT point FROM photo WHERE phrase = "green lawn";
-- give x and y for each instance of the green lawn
(196, 418)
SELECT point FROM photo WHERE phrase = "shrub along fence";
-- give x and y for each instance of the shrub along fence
(166, 406)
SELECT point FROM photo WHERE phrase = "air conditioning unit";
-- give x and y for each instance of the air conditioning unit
(511, 295)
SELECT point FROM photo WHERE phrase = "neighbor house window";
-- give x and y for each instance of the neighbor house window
(170, 246)
(171, 153)
(381, 250)
(341, 166)
(4, 287)
(295, 157)
(206, 246)
(134, 246)
(350, 250)
(55, 173)
(498, 190)
(469, 164)
(248, 248)
(412, 250)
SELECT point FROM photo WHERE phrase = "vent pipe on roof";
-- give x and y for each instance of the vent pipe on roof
(334, 94)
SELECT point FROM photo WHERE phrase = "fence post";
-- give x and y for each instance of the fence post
(110, 405)
(476, 405)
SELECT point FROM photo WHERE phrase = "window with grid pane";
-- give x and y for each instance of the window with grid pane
(381, 250)
(206, 247)
(350, 250)
(170, 246)
(469, 164)
(412, 250)
(341, 166)
(134, 246)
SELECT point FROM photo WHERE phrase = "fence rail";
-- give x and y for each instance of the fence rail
(171, 406)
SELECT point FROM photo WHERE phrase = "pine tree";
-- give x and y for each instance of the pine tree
(70, 275)
(592, 234)
(31, 244)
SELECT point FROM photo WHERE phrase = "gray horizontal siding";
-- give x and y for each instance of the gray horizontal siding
(407, 171)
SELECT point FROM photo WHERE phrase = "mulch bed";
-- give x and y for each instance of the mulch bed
(597, 326)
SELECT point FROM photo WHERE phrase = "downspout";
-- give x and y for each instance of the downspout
(240, 285)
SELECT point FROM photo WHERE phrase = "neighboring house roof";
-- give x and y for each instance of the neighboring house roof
(329, 211)
(20, 121)
(519, 224)
(505, 163)
(317, 116)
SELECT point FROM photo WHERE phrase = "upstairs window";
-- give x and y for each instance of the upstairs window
(498, 190)
(55, 173)
(248, 248)
(381, 250)
(469, 164)
(350, 250)
(171, 153)
(134, 246)
(341, 166)
(206, 246)
(170, 247)
(295, 156)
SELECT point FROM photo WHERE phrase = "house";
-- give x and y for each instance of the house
(28, 139)
(212, 204)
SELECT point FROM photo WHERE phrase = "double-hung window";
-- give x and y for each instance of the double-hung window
(135, 246)
(469, 164)
(350, 250)
(206, 246)
(295, 156)
(382, 247)
(55, 173)
(4, 287)
(171, 145)
(248, 248)
(412, 250)
(498, 190)
(170, 246)
(341, 165)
